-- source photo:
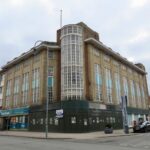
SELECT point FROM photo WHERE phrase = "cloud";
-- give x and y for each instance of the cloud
(138, 3)
(17, 3)
(140, 37)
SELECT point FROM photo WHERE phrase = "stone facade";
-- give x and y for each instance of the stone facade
(106, 76)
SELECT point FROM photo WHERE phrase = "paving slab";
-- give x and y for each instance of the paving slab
(51, 135)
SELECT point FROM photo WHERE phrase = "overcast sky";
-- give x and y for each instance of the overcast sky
(123, 25)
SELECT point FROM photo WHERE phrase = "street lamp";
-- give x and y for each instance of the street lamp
(47, 103)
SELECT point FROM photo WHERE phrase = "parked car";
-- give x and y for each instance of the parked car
(142, 127)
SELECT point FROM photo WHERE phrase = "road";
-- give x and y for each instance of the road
(134, 142)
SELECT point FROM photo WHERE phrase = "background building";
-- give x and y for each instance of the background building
(78, 74)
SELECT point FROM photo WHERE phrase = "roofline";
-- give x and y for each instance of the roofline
(112, 53)
(30, 53)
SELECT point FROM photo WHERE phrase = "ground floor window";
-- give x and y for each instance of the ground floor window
(19, 122)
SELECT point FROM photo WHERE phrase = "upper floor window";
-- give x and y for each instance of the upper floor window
(8, 88)
(116, 63)
(25, 88)
(117, 84)
(130, 71)
(96, 52)
(125, 87)
(36, 58)
(132, 86)
(107, 58)
(1, 78)
(123, 67)
(0, 90)
(98, 81)
(26, 63)
(138, 91)
(50, 54)
(108, 84)
(35, 85)
(17, 68)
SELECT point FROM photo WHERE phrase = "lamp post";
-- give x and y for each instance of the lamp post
(47, 103)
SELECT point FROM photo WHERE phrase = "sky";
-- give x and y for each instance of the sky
(123, 25)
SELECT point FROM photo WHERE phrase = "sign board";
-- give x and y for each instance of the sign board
(59, 113)
(15, 111)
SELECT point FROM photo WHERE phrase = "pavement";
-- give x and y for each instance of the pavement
(41, 135)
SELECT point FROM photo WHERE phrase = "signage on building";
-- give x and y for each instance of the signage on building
(59, 113)
(13, 112)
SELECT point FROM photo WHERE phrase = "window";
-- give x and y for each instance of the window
(16, 91)
(117, 84)
(35, 85)
(125, 88)
(98, 82)
(106, 58)
(26, 63)
(123, 67)
(108, 85)
(25, 88)
(17, 68)
(116, 63)
(0, 90)
(36, 58)
(96, 52)
(130, 71)
(1, 102)
(50, 88)
(50, 83)
(8, 93)
(132, 85)
(1, 79)
(50, 54)
(51, 71)
(138, 95)
(143, 96)
(72, 63)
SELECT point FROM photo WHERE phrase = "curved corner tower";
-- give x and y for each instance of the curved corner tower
(71, 62)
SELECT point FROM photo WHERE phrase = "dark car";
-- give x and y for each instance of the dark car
(143, 127)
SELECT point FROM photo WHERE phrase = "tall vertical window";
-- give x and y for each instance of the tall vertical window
(117, 84)
(138, 94)
(35, 85)
(125, 88)
(25, 88)
(98, 82)
(143, 96)
(8, 93)
(16, 91)
(108, 85)
(132, 85)
(72, 63)
(50, 83)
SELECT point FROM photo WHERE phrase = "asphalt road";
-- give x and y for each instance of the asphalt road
(136, 142)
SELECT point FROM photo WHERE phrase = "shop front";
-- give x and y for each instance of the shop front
(15, 119)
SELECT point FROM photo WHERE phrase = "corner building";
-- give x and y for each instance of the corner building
(78, 74)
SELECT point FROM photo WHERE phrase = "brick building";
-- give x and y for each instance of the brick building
(77, 74)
